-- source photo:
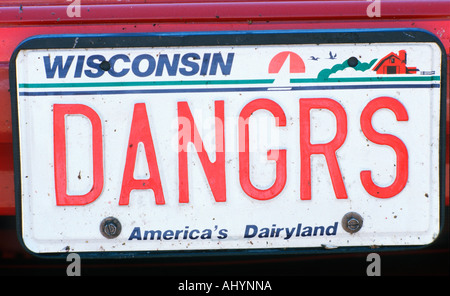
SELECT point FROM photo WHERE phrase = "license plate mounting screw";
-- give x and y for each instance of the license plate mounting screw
(110, 227)
(352, 222)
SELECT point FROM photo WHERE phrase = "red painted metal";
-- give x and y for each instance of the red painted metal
(207, 11)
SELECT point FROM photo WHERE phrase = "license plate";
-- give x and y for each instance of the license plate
(269, 141)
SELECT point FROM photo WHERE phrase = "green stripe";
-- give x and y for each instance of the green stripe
(365, 79)
(145, 83)
(224, 82)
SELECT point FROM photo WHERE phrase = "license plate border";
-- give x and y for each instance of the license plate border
(229, 38)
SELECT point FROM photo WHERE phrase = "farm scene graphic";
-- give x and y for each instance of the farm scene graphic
(392, 64)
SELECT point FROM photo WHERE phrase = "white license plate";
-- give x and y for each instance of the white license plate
(228, 141)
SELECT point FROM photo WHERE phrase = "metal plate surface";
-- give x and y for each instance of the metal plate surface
(230, 141)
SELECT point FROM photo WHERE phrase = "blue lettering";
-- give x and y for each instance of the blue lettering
(307, 231)
(332, 229)
(193, 65)
(94, 65)
(50, 70)
(163, 62)
(79, 67)
(137, 61)
(186, 231)
(191, 236)
(205, 64)
(168, 234)
(112, 62)
(206, 234)
(317, 229)
(143, 65)
(152, 234)
(217, 60)
(250, 231)
(136, 234)
(222, 234)
(264, 233)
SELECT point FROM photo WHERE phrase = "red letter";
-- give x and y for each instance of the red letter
(385, 139)
(140, 133)
(278, 155)
(328, 149)
(59, 134)
(214, 171)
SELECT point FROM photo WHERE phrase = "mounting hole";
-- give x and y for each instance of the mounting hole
(105, 66)
(352, 62)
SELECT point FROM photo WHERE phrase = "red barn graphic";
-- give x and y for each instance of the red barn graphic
(394, 64)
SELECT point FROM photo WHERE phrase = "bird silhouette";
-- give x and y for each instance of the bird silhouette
(332, 57)
(313, 58)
